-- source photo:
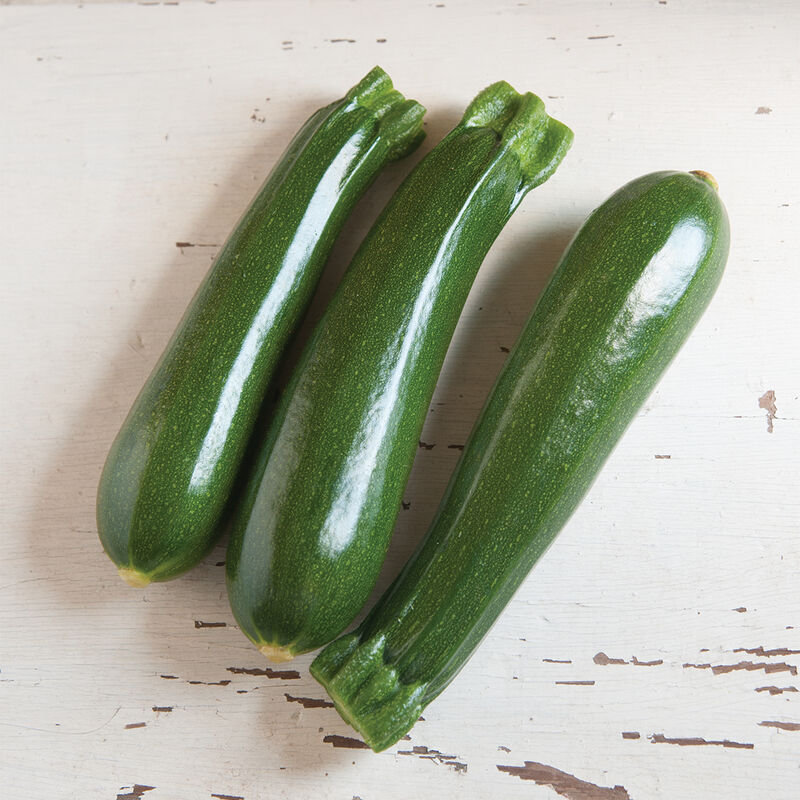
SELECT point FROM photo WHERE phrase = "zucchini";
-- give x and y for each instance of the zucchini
(171, 468)
(312, 529)
(624, 297)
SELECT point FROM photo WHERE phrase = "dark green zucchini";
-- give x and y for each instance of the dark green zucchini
(171, 468)
(311, 533)
(624, 297)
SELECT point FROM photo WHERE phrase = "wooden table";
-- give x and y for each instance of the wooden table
(654, 651)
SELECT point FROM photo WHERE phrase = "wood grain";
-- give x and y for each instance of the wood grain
(652, 654)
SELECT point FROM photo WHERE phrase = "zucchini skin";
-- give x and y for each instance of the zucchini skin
(624, 297)
(171, 468)
(311, 533)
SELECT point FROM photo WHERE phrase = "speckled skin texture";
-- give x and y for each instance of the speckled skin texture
(312, 531)
(626, 294)
(172, 466)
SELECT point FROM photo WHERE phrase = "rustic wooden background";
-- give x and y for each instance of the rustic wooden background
(654, 651)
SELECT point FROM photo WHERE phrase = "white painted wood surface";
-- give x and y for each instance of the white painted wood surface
(654, 651)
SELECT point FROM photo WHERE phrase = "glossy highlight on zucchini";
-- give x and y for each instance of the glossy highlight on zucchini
(171, 468)
(623, 299)
(312, 530)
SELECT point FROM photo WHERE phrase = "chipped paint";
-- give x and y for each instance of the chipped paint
(564, 783)
(749, 666)
(131, 725)
(603, 660)
(695, 741)
(135, 793)
(767, 402)
(631, 735)
(574, 683)
(760, 651)
(345, 741)
(436, 756)
(200, 624)
(308, 702)
(282, 674)
(784, 726)
(776, 689)
(209, 683)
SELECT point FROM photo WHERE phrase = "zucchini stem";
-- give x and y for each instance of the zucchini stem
(522, 125)
(367, 692)
(400, 120)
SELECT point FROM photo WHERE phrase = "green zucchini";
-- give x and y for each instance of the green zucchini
(171, 468)
(624, 297)
(312, 530)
